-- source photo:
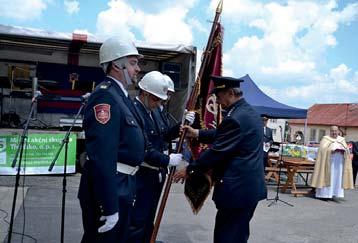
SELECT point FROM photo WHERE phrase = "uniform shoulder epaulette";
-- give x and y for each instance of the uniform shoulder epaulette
(105, 85)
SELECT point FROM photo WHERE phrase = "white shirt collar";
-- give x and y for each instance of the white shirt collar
(161, 107)
(120, 85)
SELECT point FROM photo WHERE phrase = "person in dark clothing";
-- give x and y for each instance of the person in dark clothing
(152, 172)
(268, 140)
(355, 160)
(107, 187)
(235, 159)
(167, 120)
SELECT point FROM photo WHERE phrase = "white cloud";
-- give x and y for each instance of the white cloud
(72, 6)
(344, 82)
(196, 25)
(169, 25)
(355, 77)
(349, 14)
(289, 67)
(339, 86)
(239, 11)
(339, 72)
(117, 20)
(280, 48)
(22, 9)
(185, 3)
(288, 47)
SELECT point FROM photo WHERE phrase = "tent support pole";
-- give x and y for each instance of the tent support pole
(305, 132)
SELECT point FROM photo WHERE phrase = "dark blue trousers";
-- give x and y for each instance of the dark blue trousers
(149, 189)
(232, 225)
(91, 214)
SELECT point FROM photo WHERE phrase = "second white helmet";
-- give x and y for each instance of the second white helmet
(170, 83)
(155, 84)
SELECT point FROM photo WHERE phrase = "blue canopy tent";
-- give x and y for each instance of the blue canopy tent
(265, 105)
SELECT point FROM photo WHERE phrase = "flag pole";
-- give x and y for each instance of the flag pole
(190, 106)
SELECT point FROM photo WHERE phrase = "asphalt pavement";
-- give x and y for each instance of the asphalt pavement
(38, 215)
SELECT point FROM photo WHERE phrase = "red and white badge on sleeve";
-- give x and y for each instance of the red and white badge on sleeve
(102, 113)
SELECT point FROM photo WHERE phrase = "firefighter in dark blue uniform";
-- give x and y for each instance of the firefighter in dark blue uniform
(166, 120)
(236, 159)
(115, 145)
(152, 173)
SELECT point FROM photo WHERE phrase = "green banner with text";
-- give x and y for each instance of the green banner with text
(38, 153)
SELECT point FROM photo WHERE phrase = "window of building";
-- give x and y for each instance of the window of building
(321, 133)
(273, 120)
(313, 135)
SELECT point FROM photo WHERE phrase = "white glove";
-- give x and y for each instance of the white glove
(190, 117)
(182, 164)
(175, 159)
(111, 221)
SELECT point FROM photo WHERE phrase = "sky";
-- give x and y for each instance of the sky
(299, 52)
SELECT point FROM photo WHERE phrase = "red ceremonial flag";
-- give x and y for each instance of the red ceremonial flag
(206, 104)
(197, 187)
(209, 108)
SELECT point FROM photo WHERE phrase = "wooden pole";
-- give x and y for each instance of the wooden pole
(190, 106)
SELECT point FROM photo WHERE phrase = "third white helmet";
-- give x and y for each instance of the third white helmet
(170, 83)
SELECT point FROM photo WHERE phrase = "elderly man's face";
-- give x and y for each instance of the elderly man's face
(153, 101)
(265, 122)
(334, 132)
(223, 98)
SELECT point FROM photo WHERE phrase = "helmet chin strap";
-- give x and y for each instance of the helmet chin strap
(146, 102)
(126, 76)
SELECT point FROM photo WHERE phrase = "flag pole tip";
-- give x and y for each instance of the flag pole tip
(219, 8)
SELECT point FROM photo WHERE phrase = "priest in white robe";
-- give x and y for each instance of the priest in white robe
(333, 168)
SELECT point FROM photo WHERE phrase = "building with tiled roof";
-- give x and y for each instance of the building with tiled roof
(321, 116)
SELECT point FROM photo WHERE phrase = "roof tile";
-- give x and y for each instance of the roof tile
(331, 114)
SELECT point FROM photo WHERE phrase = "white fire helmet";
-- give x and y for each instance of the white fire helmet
(155, 84)
(115, 48)
(170, 83)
